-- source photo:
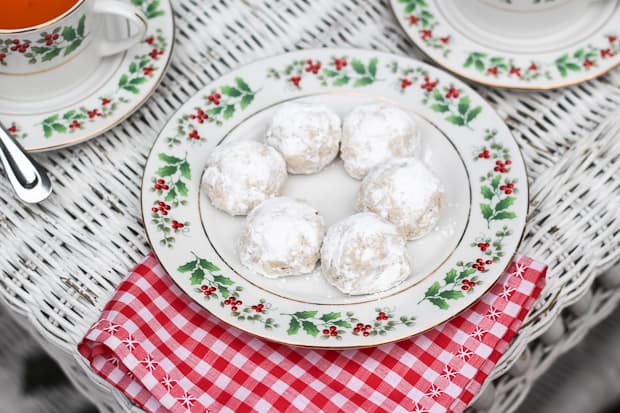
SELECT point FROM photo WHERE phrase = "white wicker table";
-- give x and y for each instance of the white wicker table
(62, 260)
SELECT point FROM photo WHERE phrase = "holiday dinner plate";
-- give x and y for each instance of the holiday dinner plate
(116, 88)
(464, 141)
(551, 44)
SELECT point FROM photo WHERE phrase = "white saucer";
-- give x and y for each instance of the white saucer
(115, 89)
(557, 46)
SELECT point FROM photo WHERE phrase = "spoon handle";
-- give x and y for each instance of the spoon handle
(29, 179)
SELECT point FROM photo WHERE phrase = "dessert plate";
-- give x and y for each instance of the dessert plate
(114, 90)
(464, 141)
(561, 44)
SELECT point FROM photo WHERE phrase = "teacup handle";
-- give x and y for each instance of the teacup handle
(131, 13)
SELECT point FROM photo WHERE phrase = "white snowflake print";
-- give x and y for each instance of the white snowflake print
(519, 270)
(419, 409)
(478, 333)
(507, 292)
(168, 383)
(434, 392)
(130, 343)
(187, 400)
(114, 361)
(112, 328)
(448, 373)
(149, 363)
(464, 353)
(493, 313)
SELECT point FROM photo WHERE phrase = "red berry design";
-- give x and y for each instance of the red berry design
(325, 332)
(75, 125)
(155, 53)
(405, 83)
(413, 20)
(313, 67)
(365, 333)
(105, 101)
(532, 67)
(492, 70)
(333, 333)
(148, 70)
(445, 40)
(426, 34)
(233, 308)
(340, 63)
(150, 40)
(428, 85)
(194, 135)
(588, 63)
(515, 71)
(214, 98)
(12, 129)
(606, 53)
(452, 93)
(295, 80)
(94, 113)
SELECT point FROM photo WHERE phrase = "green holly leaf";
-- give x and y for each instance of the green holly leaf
(438, 96)
(310, 328)
(69, 115)
(230, 91)
(209, 266)
(132, 89)
(68, 34)
(245, 101)
(305, 314)
(451, 295)
(364, 81)
(341, 81)
(182, 188)
(372, 67)
(495, 182)
(39, 50)
(197, 276)
(574, 67)
(151, 8)
(330, 73)
(215, 111)
(242, 85)
(450, 276)
(330, 316)
(220, 279)
(166, 171)
(505, 215)
(440, 108)
(342, 323)
(188, 266)
(51, 119)
(439, 302)
(410, 7)
(562, 70)
(185, 170)
(457, 120)
(358, 67)
(473, 113)
(59, 127)
(172, 194)
(433, 289)
(138, 80)
(496, 60)
(74, 45)
(51, 54)
(562, 58)
(80, 28)
(223, 290)
(469, 61)
(479, 65)
(123, 80)
(169, 159)
(47, 131)
(486, 192)
(505, 203)
(293, 327)
(464, 105)
(487, 212)
(229, 111)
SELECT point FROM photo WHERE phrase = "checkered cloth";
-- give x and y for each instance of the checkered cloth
(166, 353)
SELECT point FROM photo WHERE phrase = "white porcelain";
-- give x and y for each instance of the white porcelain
(526, 5)
(44, 60)
(95, 97)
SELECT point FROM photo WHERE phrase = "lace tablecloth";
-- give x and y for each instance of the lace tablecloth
(61, 260)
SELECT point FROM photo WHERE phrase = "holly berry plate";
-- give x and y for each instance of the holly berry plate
(543, 45)
(116, 88)
(464, 141)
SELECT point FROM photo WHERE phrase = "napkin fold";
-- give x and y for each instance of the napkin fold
(166, 353)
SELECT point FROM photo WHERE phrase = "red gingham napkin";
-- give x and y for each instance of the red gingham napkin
(166, 353)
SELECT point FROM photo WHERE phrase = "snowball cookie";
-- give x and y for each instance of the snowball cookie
(406, 193)
(364, 254)
(242, 174)
(308, 136)
(373, 133)
(282, 237)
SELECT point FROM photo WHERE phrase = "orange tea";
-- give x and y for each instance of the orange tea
(19, 14)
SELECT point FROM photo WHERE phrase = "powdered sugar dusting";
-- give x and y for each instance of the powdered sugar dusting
(242, 174)
(282, 237)
(405, 192)
(307, 136)
(364, 254)
(373, 133)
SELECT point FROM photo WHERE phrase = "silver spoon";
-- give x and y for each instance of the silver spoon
(29, 180)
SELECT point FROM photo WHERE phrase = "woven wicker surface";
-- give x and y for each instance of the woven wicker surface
(61, 260)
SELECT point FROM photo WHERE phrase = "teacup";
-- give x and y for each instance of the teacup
(39, 61)
(527, 5)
